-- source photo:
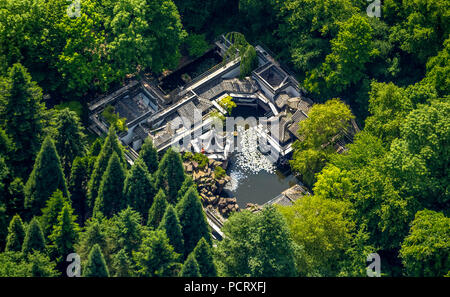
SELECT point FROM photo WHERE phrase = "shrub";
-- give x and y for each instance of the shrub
(201, 159)
(196, 45)
(228, 104)
(219, 172)
(113, 118)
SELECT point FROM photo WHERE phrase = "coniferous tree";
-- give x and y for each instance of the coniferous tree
(139, 189)
(110, 195)
(122, 264)
(47, 176)
(193, 220)
(110, 145)
(155, 256)
(190, 267)
(6, 144)
(4, 173)
(50, 213)
(34, 238)
(41, 266)
(3, 226)
(79, 178)
(5, 148)
(69, 138)
(95, 148)
(16, 235)
(65, 235)
(156, 212)
(149, 155)
(204, 256)
(94, 234)
(126, 231)
(96, 265)
(16, 197)
(170, 175)
(188, 182)
(171, 225)
(21, 113)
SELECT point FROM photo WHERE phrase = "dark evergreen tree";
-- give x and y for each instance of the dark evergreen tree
(122, 264)
(34, 238)
(188, 182)
(149, 155)
(69, 138)
(126, 231)
(155, 256)
(204, 256)
(96, 265)
(41, 266)
(16, 235)
(95, 148)
(47, 176)
(3, 226)
(5, 148)
(79, 178)
(171, 225)
(94, 234)
(50, 213)
(156, 212)
(16, 197)
(6, 144)
(170, 175)
(190, 267)
(139, 189)
(110, 195)
(65, 235)
(21, 114)
(110, 145)
(193, 220)
(4, 174)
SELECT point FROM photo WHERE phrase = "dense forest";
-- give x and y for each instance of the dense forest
(64, 191)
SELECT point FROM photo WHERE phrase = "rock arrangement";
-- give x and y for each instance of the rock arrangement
(210, 187)
(253, 207)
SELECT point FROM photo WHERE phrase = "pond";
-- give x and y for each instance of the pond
(256, 187)
(254, 178)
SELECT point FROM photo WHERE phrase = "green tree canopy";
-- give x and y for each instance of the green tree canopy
(425, 251)
(170, 175)
(78, 186)
(110, 195)
(65, 234)
(139, 188)
(325, 125)
(34, 238)
(323, 228)
(171, 225)
(69, 138)
(156, 212)
(50, 213)
(193, 220)
(149, 155)
(110, 145)
(21, 115)
(47, 177)
(256, 244)
(16, 235)
(96, 265)
(203, 254)
(190, 267)
(155, 256)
